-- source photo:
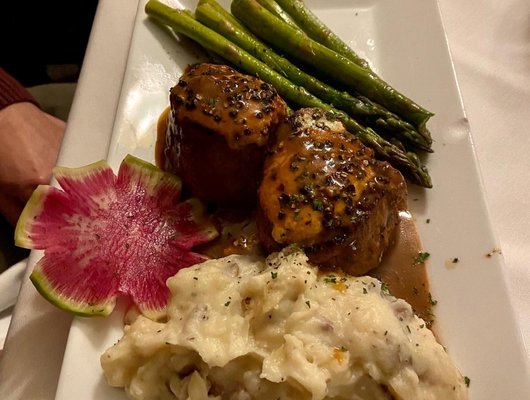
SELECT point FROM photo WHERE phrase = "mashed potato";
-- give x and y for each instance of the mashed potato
(246, 328)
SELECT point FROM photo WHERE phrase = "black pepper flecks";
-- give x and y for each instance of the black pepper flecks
(327, 184)
(231, 104)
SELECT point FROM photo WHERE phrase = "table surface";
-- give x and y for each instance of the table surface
(490, 45)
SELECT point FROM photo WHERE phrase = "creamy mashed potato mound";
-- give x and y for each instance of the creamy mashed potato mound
(246, 328)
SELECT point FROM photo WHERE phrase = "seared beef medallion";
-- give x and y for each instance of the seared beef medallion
(324, 190)
(218, 133)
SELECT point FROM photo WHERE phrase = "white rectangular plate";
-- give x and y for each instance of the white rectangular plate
(405, 42)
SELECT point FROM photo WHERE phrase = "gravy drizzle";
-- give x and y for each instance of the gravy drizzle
(400, 269)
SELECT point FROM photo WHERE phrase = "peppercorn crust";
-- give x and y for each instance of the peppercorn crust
(324, 190)
(219, 129)
(241, 108)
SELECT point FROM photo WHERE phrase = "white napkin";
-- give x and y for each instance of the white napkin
(10, 281)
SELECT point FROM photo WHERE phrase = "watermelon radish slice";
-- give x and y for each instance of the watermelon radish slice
(104, 235)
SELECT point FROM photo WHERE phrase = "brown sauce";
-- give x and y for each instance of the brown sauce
(406, 278)
(400, 270)
(237, 235)
(161, 128)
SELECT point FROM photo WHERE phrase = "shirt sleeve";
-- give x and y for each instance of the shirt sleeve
(11, 91)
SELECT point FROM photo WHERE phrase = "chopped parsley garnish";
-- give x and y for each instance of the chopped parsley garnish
(317, 205)
(384, 288)
(308, 304)
(274, 275)
(432, 301)
(330, 279)
(227, 303)
(467, 381)
(421, 257)
(365, 291)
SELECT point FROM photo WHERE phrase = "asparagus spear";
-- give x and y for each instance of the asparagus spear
(275, 8)
(182, 23)
(219, 8)
(318, 31)
(221, 21)
(261, 22)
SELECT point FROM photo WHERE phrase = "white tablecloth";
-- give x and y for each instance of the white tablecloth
(490, 43)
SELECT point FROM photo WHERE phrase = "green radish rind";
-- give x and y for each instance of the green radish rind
(152, 175)
(31, 210)
(45, 288)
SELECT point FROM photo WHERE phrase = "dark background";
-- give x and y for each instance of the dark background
(45, 41)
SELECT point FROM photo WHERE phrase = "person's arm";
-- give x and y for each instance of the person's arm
(29, 144)
(11, 91)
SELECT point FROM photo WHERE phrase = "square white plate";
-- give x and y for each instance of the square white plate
(405, 43)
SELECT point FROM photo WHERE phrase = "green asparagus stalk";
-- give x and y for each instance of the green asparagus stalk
(317, 30)
(182, 23)
(220, 9)
(275, 8)
(224, 23)
(262, 23)
(305, 20)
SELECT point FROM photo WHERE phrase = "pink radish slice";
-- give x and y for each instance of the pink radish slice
(104, 235)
